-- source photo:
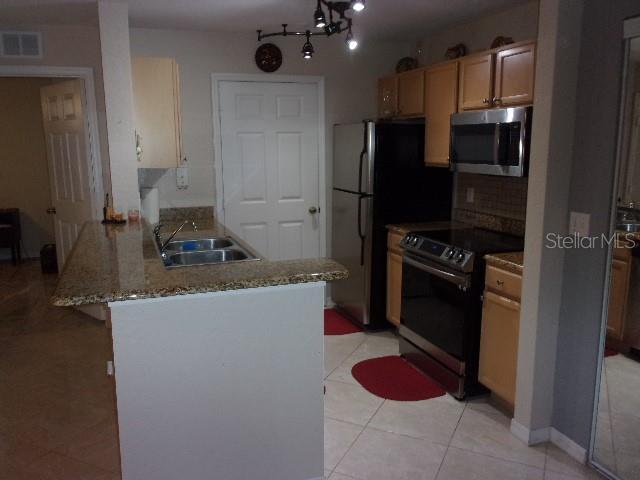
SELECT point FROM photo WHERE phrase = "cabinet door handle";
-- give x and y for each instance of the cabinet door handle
(500, 282)
(497, 100)
(485, 100)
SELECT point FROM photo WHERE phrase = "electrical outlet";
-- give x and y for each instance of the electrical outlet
(470, 194)
(579, 223)
(182, 178)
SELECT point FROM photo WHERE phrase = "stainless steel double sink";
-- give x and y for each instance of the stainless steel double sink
(204, 251)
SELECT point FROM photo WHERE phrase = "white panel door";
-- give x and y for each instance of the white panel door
(67, 156)
(270, 162)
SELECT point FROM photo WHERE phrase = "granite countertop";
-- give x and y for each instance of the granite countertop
(112, 263)
(511, 261)
(404, 228)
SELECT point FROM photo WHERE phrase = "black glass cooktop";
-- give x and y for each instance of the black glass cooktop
(476, 240)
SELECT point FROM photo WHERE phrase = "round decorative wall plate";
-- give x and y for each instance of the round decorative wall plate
(268, 57)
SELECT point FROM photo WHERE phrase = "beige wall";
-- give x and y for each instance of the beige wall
(350, 82)
(519, 22)
(71, 46)
(24, 177)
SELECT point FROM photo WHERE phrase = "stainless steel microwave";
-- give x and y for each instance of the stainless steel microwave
(492, 142)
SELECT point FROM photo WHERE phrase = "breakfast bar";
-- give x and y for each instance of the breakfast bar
(218, 368)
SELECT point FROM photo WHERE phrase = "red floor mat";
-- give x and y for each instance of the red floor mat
(609, 352)
(394, 378)
(336, 324)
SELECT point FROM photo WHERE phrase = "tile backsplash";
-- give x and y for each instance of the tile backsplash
(497, 203)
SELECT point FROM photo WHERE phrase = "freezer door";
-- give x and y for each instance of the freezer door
(353, 156)
(352, 295)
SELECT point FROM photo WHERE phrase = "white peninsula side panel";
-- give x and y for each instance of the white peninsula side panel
(225, 385)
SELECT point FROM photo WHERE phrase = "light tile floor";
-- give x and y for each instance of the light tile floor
(617, 445)
(58, 420)
(368, 438)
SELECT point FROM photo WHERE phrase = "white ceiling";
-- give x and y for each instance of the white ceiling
(384, 19)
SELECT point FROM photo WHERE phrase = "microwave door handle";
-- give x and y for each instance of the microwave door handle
(496, 145)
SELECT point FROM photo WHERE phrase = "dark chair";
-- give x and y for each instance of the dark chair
(10, 232)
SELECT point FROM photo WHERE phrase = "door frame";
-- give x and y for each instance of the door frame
(96, 186)
(216, 79)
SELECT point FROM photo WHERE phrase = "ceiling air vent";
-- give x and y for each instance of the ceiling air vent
(21, 44)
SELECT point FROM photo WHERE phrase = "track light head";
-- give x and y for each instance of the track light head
(331, 28)
(358, 5)
(351, 42)
(307, 48)
(319, 19)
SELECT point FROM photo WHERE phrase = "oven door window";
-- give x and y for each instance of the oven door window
(435, 309)
(486, 144)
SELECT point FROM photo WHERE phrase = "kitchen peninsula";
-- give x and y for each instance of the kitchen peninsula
(218, 368)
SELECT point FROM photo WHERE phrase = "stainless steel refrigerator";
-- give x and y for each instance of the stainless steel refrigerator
(379, 178)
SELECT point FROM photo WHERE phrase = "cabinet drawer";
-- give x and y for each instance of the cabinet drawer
(393, 242)
(503, 282)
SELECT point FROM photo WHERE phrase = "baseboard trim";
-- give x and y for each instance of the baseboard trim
(570, 447)
(530, 437)
(549, 434)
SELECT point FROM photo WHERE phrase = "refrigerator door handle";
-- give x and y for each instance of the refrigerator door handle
(360, 168)
(362, 234)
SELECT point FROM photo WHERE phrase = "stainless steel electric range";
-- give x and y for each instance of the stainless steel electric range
(442, 285)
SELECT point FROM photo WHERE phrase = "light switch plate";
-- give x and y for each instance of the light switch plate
(579, 223)
(470, 194)
(182, 177)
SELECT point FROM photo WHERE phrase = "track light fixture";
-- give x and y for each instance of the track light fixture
(351, 42)
(331, 27)
(307, 48)
(318, 17)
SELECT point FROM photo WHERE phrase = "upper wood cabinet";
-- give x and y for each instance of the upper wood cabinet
(388, 96)
(156, 99)
(411, 93)
(476, 82)
(500, 78)
(441, 100)
(515, 73)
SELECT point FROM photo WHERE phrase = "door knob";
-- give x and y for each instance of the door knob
(313, 210)
(51, 210)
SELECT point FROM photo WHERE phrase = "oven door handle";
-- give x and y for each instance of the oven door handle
(461, 280)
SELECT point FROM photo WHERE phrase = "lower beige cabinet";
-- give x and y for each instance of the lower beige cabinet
(499, 337)
(618, 293)
(394, 278)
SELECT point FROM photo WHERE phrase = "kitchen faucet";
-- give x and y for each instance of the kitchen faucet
(163, 245)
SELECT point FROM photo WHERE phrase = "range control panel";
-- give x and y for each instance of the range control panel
(457, 258)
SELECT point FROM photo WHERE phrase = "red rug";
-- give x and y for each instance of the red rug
(337, 324)
(394, 378)
(609, 352)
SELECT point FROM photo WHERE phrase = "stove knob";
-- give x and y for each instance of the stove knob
(451, 253)
(414, 241)
(460, 257)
